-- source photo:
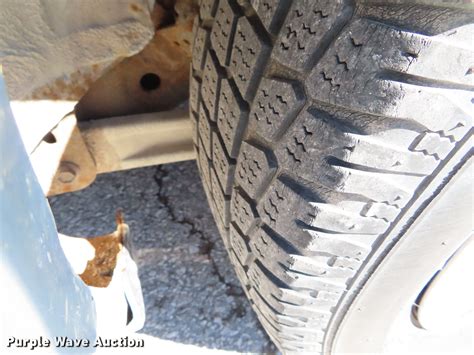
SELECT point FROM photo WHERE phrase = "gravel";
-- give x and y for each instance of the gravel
(192, 295)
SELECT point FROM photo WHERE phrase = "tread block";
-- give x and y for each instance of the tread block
(307, 282)
(351, 248)
(270, 13)
(219, 223)
(353, 52)
(231, 117)
(221, 201)
(391, 188)
(205, 131)
(305, 26)
(426, 35)
(427, 20)
(223, 229)
(332, 218)
(242, 212)
(239, 245)
(239, 269)
(264, 281)
(387, 155)
(265, 314)
(204, 168)
(313, 298)
(194, 123)
(254, 170)
(200, 45)
(450, 113)
(286, 301)
(274, 206)
(207, 9)
(211, 83)
(277, 325)
(223, 31)
(314, 136)
(297, 230)
(275, 105)
(432, 144)
(380, 210)
(223, 165)
(283, 263)
(261, 282)
(247, 56)
(212, 197)
(374, 68)
(194, 94)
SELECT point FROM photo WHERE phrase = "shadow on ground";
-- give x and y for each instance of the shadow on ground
(192, 295)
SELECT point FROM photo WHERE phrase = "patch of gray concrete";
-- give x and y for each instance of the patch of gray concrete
(192, 295)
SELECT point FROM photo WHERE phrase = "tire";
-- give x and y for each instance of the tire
(317, 123)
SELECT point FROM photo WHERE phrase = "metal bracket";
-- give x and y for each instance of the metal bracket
(128, 142)
(62, 161)
(105, 264)
(71, 155)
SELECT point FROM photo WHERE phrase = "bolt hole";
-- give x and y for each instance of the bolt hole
(150, 82)
(49, 138)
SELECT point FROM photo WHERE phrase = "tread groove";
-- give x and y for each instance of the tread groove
(396, 76)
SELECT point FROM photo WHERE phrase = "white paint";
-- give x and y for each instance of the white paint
(78, 252)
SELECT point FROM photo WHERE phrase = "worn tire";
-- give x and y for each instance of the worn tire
(316, 124)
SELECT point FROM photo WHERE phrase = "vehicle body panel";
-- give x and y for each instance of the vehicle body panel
(44, 296)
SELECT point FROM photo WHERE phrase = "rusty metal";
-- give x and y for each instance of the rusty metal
(73, 153)
(127, 142)
(99, 270)
(136, 100)
(168, 56)
(105, 264)
(62, 161)
(67, 172)
(72, 86)
(77, 168)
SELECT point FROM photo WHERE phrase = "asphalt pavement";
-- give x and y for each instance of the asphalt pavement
(192, 296)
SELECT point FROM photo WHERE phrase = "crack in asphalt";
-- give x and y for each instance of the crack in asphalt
(206, 247)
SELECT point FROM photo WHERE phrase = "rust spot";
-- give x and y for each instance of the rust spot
(119, 91)
(135, 7)
(99, 271)
(169, 51)
(132, 36)
(71, 87)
